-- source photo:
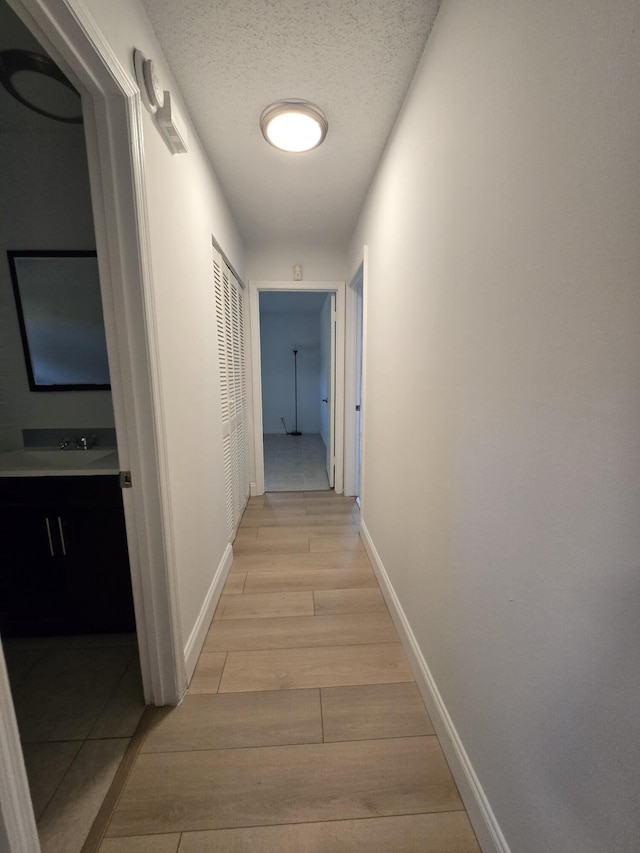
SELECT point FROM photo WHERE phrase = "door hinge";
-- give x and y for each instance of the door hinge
(358, 408)
(125, 480)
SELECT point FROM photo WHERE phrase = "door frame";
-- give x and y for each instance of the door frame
(351, 383)
(255, 288)
(112, 112)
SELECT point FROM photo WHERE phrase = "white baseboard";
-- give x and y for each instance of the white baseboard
(484, 821)
(253, 490)
(197, 637)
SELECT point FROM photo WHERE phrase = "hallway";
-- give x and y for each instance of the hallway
(302, 729)
(295, 463)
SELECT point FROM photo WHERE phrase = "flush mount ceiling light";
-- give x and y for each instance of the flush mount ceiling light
(37, 82)
(294, 125)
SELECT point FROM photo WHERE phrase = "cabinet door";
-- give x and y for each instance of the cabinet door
(32, 583)
(98, 578)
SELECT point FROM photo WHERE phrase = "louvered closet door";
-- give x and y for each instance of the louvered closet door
(233, 390)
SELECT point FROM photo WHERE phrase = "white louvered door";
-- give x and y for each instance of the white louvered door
(233, 390)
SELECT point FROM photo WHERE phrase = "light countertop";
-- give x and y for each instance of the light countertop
(53, 462)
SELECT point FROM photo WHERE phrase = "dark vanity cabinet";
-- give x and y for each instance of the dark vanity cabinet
(64, 567)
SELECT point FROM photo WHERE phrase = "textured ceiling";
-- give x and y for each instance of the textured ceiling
(354, 58)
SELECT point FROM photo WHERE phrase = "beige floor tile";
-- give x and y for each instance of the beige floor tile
(245, 534)
(264, 605)
(303, 631)
(346, 542)
(142, 844)
(46, 765)
(332, 666)
(299, 562)
(64, 693)
(122, 713)
(67, 819)
(235, 583)
(279, 498)
(310, 580)
(20, 659)
(207, 674)
(211, 789)
(299, 531)
(333, 601)
(446, 832)
(300, 519)
(234, 720)
(327, 495)
(373, 711)
(325, 509)
(266, 546)
(282, 514)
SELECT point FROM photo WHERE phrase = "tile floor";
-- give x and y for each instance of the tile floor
(295, 463)
(78, 701)
(303, 730)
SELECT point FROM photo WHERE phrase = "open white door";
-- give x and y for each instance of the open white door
(328, 383)
(331, 447)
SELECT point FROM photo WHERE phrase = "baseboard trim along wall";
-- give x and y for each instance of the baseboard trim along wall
(484, 821)
(197, 637)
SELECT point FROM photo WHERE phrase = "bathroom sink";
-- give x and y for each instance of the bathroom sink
(52, 459)
(70, 458)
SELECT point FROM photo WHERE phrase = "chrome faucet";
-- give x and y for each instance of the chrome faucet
(85, 443)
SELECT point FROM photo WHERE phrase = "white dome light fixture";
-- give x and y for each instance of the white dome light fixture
(294, 125)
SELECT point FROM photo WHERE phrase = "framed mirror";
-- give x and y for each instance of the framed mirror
(59, 308)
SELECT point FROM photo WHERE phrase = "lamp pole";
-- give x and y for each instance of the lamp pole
(295, 389)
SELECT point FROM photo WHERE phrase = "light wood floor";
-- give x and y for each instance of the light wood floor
(303, 730)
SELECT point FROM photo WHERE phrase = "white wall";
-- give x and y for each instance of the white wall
(503, 407)
(279, 335)
(186, 206)
(44, 186)
(275, 262)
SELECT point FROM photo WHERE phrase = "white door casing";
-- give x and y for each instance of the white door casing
(337, 288)
(355, 381)
(115, 153)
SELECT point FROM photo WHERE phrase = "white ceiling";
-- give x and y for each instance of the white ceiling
(354, 58)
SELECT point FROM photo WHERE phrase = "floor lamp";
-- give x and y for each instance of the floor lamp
(295, 389)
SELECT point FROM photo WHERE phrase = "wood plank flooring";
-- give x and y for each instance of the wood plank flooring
(303, 730)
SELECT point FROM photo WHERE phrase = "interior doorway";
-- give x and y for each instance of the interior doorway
(68, 635)
(112, 123)
(298, 385)
(297, 355)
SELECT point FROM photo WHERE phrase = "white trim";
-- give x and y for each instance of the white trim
(195, 642)
(113, 126)
(351, 389)
(363, 378)
(17, 822)
(478, 807)
(255, 288)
